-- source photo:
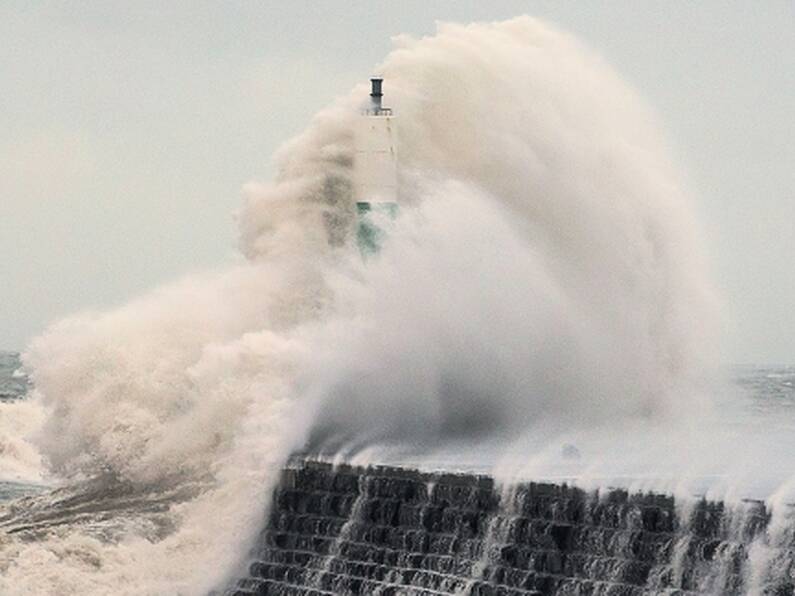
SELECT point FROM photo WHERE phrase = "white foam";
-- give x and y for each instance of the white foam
(546, 276)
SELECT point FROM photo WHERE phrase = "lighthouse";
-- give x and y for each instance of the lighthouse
(375, 171)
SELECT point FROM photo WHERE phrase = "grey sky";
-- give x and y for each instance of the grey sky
(127, 130)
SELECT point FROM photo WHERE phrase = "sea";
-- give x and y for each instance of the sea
(105, 509)
(766, 394)
(14, 385)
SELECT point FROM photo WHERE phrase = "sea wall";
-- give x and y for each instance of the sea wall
(393, 531)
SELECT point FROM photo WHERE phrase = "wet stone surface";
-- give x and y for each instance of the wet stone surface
(390, 531)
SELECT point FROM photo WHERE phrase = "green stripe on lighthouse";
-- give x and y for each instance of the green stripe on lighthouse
(369, 235)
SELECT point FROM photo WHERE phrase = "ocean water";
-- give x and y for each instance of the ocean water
(13, 383)
(104, 508)
(13, 386)
(763, 396)
(770, 389)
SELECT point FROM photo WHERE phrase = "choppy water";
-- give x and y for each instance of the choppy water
(105, 508)
(768, 387)
(102, 501)
(767, 398)
(13, 383)
(13, 386)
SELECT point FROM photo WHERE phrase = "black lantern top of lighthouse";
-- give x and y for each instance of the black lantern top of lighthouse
(376, 95)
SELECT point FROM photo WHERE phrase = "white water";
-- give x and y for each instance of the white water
(19, 459)
(545, 280)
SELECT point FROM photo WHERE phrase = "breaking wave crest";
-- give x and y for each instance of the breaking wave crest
(545, 275)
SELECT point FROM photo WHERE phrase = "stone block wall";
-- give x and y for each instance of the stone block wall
(392, 531)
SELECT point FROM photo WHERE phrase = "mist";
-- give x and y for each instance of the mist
(543, 293)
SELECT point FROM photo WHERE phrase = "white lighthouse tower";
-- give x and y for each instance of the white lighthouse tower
(375, 171)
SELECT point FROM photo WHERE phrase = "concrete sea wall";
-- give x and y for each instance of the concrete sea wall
(392, 531)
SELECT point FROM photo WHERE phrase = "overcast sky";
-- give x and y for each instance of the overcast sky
(128, 128)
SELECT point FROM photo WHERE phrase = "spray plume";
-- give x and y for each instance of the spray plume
(545, 275)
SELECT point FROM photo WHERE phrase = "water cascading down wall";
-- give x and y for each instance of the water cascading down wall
(395, 531)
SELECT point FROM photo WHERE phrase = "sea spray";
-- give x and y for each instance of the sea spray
(20, 461)
(546, 276)
(189, 386)
(553, 272)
